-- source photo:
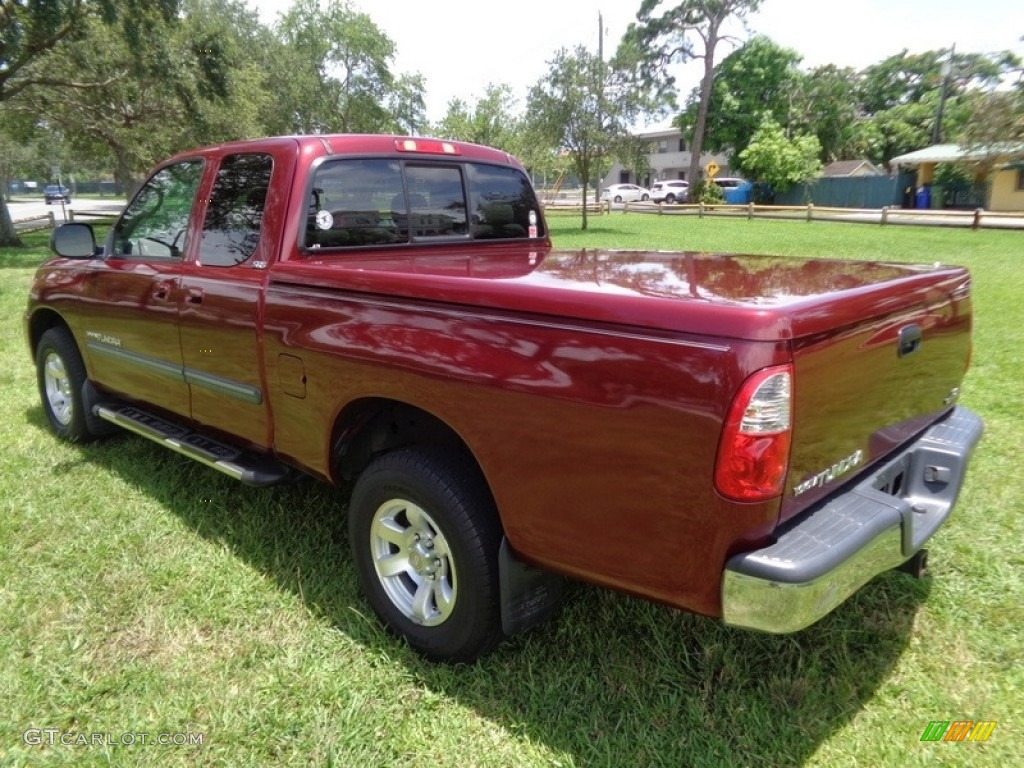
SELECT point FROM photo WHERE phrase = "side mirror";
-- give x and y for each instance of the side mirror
(74, 241)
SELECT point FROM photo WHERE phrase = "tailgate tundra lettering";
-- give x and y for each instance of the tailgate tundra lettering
(390, 317)
(826, 476)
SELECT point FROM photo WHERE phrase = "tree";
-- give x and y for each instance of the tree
(905, 78)
(904, 97)
(826, 105)
(490, 122)
(899, 129)
(634, 154)
(996, 121)
(22, 154)
(227, 92)
(994, 133)
(669, 37)
(182, 85)
(31, 30)
(778, 161)
(335, 73)
(406, 104)
(585, 107)
(756, 81)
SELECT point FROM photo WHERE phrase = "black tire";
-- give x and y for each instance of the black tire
(425, 536)
(670, 198)
(60, 373)
(618, 199)
(645, 198)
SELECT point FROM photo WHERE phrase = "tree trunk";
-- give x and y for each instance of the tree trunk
(706, 83)
(8, 235)
(124, 177)
(584, 171)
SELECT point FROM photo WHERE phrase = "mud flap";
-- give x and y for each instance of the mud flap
(529, 596)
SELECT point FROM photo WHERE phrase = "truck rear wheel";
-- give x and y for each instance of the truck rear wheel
(425, 536)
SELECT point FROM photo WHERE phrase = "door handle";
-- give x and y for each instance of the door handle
(194, 296)
(909, 339)
(161, 291)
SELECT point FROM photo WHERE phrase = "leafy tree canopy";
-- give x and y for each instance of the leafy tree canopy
(826, 104)
(773, 158)
(887, 109)
(996, 124)
(490, 122)
(31, 29)
(186, 84)
(336, 72)
(754, 82)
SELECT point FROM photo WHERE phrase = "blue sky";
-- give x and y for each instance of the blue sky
(462, 45)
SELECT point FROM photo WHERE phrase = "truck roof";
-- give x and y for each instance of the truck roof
(363, 143)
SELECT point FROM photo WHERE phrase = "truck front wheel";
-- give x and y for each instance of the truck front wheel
(61, 375)
(425, 537)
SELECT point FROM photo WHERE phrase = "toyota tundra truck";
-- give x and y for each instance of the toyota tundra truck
(746, 437)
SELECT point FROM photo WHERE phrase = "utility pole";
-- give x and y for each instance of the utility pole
(947, 70)
(600, 97)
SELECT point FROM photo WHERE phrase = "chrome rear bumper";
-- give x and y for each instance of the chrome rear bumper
(822, 557)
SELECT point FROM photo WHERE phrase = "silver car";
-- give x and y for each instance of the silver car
(625, 193)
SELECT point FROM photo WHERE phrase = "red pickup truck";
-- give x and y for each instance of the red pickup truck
(747, 437)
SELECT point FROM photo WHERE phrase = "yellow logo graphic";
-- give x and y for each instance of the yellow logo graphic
(958, 730)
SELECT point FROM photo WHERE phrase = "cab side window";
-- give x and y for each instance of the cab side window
(155, 223)
(234, 213)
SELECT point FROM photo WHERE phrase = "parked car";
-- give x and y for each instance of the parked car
(625, 193)
(670, 191)
(730, 182)
(57, 193)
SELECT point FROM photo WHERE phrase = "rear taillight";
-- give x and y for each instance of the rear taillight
(753, 455)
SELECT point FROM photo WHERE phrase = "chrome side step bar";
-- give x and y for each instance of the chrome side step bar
(248, 468)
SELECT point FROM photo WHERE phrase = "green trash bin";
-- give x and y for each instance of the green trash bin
(938, 196)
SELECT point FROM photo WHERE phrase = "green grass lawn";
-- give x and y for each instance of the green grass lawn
(144, 594)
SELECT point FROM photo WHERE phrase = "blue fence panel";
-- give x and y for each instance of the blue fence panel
(854, 192)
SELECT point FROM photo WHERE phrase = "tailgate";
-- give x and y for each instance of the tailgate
(864, 389)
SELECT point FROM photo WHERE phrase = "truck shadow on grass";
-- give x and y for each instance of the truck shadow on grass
(614, 681)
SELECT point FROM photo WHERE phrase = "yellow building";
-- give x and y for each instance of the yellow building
(999, 168)
(1007, 191)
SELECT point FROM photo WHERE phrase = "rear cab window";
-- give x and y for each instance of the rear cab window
(360, 202)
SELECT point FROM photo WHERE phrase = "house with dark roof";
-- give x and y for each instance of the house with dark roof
(848, 169)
